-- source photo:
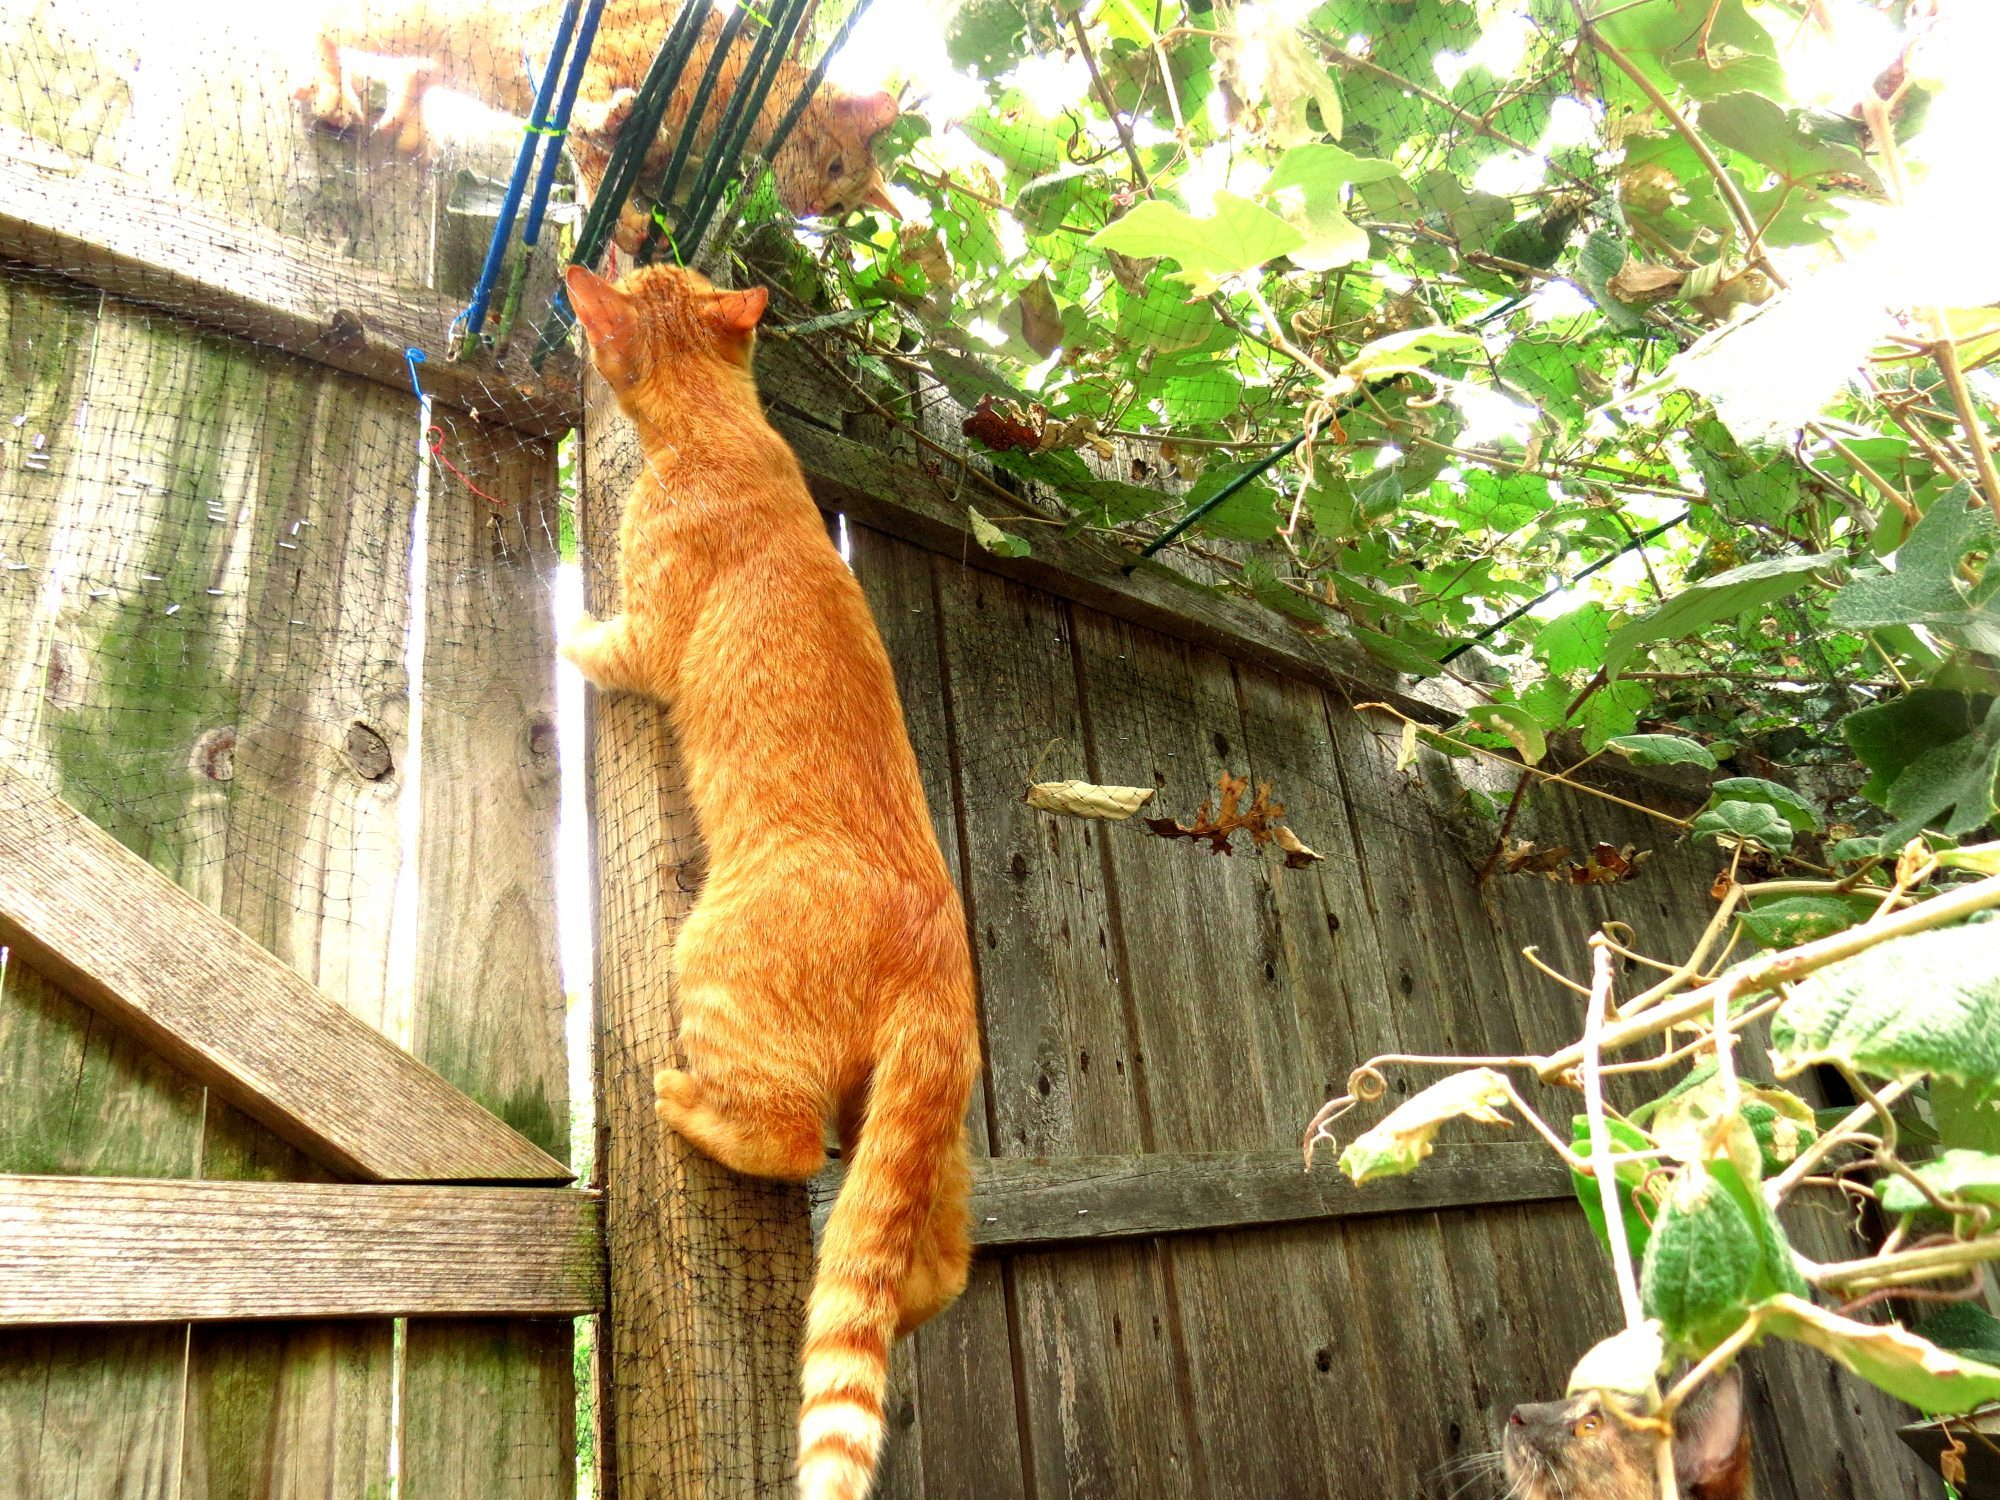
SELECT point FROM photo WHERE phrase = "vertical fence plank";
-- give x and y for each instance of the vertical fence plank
(309, 858)
(488, 1406)
(708, 1270)
(1062, 1067)
(955, 1374)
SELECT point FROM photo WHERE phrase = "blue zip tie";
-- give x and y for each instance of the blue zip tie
(524, 159)
(586, 38)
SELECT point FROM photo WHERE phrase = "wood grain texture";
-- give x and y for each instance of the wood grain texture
(1017, 1203)
(957, 1369)
(141, 1250)
(124, 235)
(115, 933)
(489, 1408)
(1063, 1072)
(699, 1344)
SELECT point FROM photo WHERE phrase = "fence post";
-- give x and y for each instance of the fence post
(697, 1379)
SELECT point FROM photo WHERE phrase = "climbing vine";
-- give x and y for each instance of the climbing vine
(1636, 355)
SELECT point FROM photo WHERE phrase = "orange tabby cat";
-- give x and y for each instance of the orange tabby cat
(494, 50)
(824, 971)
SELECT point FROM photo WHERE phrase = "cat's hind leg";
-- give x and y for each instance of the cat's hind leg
(750, 1121)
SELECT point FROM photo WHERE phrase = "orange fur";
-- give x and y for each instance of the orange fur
(824, 973)
(492, 49)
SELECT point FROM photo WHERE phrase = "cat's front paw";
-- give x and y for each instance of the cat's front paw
(331, 105)
(603, 117)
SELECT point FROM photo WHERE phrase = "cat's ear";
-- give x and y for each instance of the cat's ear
(871, 114)
(877, 196)
(608, 322)
(736, 313)
(1708, 1436)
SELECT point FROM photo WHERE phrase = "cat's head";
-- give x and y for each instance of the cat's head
(827, 165)
(1560, 1449)
(658, 320)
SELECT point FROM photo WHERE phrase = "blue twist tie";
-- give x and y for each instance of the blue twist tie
(414, 357)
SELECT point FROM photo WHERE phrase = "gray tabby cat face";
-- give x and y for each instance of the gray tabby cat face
(1579, 1449)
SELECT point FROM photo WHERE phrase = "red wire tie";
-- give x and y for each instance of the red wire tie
(436, 436)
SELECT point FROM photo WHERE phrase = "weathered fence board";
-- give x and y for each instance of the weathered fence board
(158, 1250)
(83, 908)
(1162, 1002)
(488, 1407)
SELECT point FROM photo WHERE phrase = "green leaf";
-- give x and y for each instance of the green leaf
(1269, 591)
(1238, 236)
(1319, 169)
(1249, 515)
(1602, 257)
(1953, 788)
(1793, 808)
(1409, 351)
(1890, 735)
(986, 35)
(1044, 203)
(1970, 1176)
(1163, 318)
(1935, 1381)
(1395, 1145)
(1701, 1263)
(993, 539)
(1683, 1119)
(1630, 1174)
(1968, 1114)
(1573, 644)
(1791, 920)
(1393, 653)
(1925, 1003)
(1734, 823)
(1515, 724)
(1306, 191)
(1963, 1328)
(1711, 601)
(1925, 588)
(1661, 750)
(1777, 138)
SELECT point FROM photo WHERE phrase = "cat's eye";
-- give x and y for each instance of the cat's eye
(1588, 1424)
(835, 167)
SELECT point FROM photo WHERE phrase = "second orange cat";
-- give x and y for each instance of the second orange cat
(824, 973)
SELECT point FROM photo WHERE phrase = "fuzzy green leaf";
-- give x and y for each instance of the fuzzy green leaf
(1661, 750)
(1926, 1003)
(1712, 601)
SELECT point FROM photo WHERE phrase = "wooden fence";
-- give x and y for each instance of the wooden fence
(281, 1053)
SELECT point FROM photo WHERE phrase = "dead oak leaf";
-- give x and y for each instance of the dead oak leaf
(1219, 820)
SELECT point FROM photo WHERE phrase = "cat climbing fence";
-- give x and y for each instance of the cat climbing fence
(288, 644)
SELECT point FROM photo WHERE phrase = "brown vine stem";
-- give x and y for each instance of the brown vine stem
(1925, 1264)
(1104, 97)
(1602, 1168)
(1732, 199)
(1535, 771)
(1861, 466)
(1758, 975)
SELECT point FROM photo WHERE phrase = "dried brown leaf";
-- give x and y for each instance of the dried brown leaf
(1638, 281)
(1082, 799)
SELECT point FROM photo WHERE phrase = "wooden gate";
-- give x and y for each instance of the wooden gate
(282, 1053)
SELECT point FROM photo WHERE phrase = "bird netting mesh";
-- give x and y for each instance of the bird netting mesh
(282, 555)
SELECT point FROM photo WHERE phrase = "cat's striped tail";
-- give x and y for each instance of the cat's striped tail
(897, 1233)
